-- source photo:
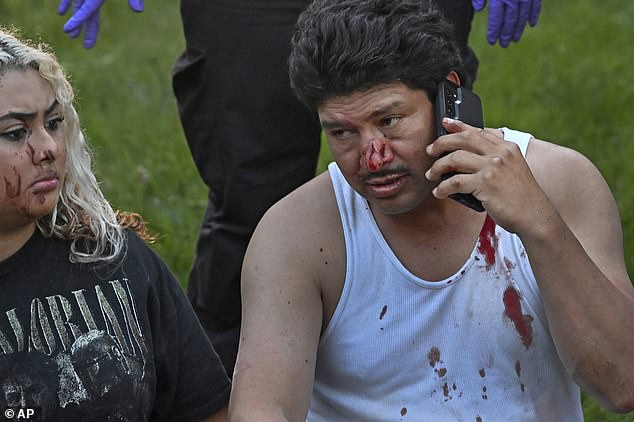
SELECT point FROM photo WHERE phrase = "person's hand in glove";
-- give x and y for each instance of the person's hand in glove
(86, 16)
(507, 18)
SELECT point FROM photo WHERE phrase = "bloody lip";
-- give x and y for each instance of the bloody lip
(382, 188)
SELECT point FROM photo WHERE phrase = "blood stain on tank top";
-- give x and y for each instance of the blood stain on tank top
(488, 241)
(404, 411)
(522, 322)
(518, 368)
(433, 356)
(445, 390)
(383, 311)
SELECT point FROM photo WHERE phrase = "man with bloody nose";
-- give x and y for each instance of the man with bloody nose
(398, 302)
(375, 154)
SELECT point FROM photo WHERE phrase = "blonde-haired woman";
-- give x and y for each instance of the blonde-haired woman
(94, 326)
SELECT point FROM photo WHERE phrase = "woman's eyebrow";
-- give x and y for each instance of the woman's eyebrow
(26, 116)
(52, 107)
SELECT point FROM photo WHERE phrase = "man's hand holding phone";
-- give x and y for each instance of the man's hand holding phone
(494, 170)
(456, 102)
(460, 156)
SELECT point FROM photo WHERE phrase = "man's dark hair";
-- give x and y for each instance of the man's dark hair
(342, 46)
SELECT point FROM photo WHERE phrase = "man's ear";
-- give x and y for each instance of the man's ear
(453, 77)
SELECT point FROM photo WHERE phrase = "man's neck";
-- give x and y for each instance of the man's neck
(431, 215)
(434, 241)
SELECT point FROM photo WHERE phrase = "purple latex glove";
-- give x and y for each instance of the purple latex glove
(508, 18)
(86, 15)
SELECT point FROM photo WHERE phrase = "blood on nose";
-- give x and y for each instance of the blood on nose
(41, 152)
(373, 155)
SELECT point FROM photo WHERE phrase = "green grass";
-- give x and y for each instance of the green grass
(567, 81)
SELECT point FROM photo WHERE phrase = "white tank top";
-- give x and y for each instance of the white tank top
(473, 347)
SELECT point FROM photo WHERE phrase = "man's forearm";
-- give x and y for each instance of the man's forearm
(590, 318)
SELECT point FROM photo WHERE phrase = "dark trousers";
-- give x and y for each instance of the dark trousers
(251, 139)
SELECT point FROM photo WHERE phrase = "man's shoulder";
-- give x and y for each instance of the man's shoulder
(557, 163)
(301, 223)
(300, 241)
(312, 203)
(567, 176)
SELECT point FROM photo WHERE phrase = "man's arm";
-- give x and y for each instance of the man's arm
(562, 209)
(578, 260)
(281, 316)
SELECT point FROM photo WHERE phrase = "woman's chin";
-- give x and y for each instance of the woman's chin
(41, 205)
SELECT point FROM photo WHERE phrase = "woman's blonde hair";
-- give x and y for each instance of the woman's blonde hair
(82, 213)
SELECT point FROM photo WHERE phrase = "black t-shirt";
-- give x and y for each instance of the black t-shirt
(102, 343)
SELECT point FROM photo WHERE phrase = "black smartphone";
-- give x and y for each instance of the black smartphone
(461, 104)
